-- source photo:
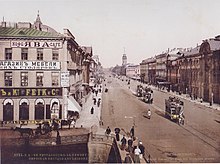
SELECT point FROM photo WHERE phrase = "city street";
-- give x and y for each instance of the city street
(198, 140)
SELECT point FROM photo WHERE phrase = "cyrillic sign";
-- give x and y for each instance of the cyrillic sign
(65, 79)
(25, 65)
(36, 44)
(39, 92)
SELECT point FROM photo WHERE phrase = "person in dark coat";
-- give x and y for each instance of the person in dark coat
(142, 148)
(128, 158)
(108, 130)
(130, 143)
(123, 143)
(92, 110)
(117, 131)
(58, 139)
(132, 132)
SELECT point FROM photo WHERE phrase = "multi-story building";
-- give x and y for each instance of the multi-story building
(147, 70)
(173, 76)
(39, 70)
(152, 71)
(161, 68)
(143, 71)
(133, 71)
(199, 71)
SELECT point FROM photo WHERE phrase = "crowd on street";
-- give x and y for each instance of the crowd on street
(129, 143)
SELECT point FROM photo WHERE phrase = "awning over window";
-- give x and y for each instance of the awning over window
(73, 105)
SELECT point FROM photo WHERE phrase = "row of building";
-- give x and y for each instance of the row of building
(45, 74)
(194, 71)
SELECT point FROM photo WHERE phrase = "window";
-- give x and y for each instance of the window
(39, 111)
(24, 54)
(8, 78)
(39, 54)
(24, 78)
(8, 54)
(24, 111)
(8, 112)
(39, 79)
(55, 54)
(55, 78)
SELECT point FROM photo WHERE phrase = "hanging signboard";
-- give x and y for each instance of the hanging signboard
(33, 65)
(37, 44)
(65, 79)
(39, 92)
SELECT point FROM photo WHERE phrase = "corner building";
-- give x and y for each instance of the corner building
(35, 69)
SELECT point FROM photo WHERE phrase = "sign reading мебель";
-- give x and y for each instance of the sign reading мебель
(24, 65)
(39, 92)
(65, 79)
(36, 44)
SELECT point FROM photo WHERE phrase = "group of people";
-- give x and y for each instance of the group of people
(96, 101)
(131, 145)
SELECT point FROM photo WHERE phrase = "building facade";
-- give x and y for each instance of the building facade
(38, 71)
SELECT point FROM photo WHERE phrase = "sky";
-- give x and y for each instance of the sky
(140, 28)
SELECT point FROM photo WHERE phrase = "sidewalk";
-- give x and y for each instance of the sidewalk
(86, 119)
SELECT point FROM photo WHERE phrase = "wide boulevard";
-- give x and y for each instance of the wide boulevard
(198, 140)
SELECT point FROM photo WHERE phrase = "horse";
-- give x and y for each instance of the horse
(22, 131)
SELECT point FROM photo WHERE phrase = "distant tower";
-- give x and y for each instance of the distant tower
(124, 58)
(38, 23)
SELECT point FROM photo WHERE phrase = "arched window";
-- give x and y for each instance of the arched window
(39, 109)
(55, 110)
(8, 112)
(24, 109)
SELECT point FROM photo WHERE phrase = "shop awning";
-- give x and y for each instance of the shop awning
(73, 105)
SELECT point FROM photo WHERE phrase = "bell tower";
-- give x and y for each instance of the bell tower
(124, 58)
(38, 23)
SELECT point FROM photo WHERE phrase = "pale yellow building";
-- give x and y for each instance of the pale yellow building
(38, 67)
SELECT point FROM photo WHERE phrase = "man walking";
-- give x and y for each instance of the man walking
(132, 132)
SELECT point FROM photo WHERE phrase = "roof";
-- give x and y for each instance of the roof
(214, 44)
(88, 50)
(26, 32)
(193, 51)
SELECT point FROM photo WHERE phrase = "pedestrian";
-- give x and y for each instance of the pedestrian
(128, 158)
(137, 152)
(108, 130)
(101, 122)
(132, 131)
(94, 101)
(58, 139)
(142, 148)
(130, 143)
(55, 124)
(92, 110)
(123, 142)
(99, 102)
(117, 131)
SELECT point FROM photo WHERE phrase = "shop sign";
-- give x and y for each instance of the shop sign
(37, 44)
(30, 65)
(39, 92)
(65, 79)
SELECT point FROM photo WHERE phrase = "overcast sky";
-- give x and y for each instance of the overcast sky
(145, 28)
